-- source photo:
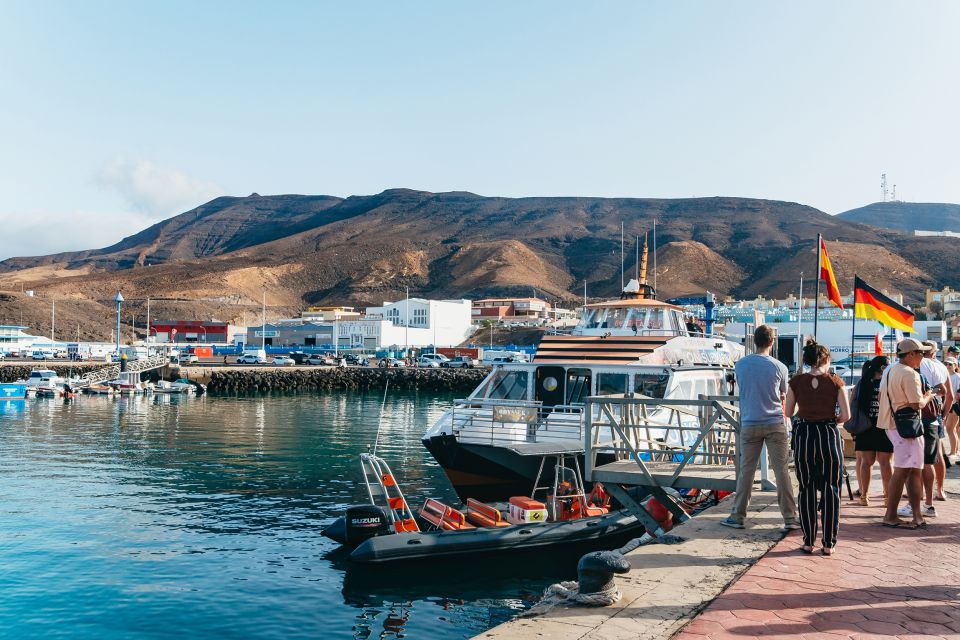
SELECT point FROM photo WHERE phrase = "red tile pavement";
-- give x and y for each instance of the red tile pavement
(880, 583)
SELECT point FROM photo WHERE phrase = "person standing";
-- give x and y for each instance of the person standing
(817, 446)
(934, 465)
(762, 380)
(901, 387)
(873, 445)
(952, 419)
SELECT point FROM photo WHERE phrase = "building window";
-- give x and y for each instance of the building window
(393, 316)
(420, 317)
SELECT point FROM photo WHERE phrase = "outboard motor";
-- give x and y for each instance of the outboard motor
(365, 521)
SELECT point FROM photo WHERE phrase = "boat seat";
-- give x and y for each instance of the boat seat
(444, 517)
(483, 515)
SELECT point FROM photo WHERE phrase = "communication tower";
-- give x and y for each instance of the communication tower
(883, 185)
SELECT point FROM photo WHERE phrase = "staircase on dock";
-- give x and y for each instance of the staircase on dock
(662, 444)
(113, 372)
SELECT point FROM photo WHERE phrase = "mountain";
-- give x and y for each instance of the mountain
(908, 216)
(220, 259)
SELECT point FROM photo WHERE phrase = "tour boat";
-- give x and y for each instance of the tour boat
(491, 443)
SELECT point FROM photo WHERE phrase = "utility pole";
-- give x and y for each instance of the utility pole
(118, 299)
(621, 256)
(406, 326)
(263, 323)
(148, 318)
(53, 318)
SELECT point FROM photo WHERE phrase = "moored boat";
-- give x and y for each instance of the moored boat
(387, 530)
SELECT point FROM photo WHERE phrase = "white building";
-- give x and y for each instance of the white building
(14, 340)
(414, 322)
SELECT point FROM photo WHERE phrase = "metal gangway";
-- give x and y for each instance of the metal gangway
(113, 372)
(661, 444)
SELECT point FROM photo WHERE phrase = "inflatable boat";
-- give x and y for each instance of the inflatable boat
(387, 530)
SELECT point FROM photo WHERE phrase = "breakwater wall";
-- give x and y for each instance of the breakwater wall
(14, 372)
(250, 380)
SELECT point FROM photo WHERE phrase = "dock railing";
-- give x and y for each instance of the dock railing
(682, 444)
(505, 422)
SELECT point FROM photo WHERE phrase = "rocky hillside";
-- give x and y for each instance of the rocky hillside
(220, 259)
(908, 216)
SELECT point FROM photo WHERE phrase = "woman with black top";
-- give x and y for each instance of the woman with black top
(872, 445)
(817, 447)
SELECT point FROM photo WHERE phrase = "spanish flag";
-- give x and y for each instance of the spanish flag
(870, 303)
(826, 274)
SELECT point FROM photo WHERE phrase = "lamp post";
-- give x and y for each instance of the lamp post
(118, 299)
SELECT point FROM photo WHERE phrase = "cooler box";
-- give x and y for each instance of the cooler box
(524, 510)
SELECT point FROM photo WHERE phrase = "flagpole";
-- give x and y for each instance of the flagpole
(853, 330)
(816, 297)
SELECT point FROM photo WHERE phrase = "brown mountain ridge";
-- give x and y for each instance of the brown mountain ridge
(218, 260)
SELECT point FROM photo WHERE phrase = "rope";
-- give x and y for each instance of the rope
(383, 404)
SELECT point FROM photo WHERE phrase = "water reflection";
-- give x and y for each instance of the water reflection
(203, 514)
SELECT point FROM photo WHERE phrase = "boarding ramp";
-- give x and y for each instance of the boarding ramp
(661, 444)
(112, 372)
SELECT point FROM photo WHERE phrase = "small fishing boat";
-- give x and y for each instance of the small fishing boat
(172, 387)
(99, 390)
(387, 530)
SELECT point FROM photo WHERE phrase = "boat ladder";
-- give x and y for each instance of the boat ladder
(383, 490)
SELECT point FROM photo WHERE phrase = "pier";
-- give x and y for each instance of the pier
(713, 583)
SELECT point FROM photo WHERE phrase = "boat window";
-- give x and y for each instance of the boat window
(636, 319)
(578, 386)
(655, 320)
(508, 385)
(611, 383)
(589, 319)
(616, 318)
(650, 384)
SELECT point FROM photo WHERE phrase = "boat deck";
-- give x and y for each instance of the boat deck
(720, 477)
(545, 448)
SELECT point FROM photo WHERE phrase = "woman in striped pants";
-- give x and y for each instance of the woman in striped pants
(817, 447)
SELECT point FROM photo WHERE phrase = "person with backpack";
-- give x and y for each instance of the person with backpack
(817, 446)
(871, 444)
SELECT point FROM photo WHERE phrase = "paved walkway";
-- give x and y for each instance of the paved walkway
(881, 583)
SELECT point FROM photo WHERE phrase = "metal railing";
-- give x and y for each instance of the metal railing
(113, 372)
(682, 432)
(482, 421)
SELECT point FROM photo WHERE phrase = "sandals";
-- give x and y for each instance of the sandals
(864, 501)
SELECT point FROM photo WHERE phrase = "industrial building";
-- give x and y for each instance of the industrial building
(188, 331)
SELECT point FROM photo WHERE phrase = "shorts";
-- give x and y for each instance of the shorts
(956, 408)
(907, 454)
(931, 441)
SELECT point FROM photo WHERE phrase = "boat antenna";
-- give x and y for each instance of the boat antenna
(383, 404)
(621, 256)
(654, 255)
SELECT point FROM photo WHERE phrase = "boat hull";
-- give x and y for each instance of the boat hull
(611, 528)
(12, 391)
(490, 472)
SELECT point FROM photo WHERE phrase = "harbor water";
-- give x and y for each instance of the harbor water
(149, 517)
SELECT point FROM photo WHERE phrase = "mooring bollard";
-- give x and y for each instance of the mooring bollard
(595, 572)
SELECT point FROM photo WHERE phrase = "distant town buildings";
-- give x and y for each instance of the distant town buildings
(519, 310)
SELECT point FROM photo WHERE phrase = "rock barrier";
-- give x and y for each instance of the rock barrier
(13, 372)
(332, 378)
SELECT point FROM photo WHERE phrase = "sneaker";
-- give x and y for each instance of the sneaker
(732, 523)
(790, 526)
(905, 511)
(929, 512)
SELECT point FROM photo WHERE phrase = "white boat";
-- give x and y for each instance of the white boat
(43, 377)
(172, 387)
(491, 443)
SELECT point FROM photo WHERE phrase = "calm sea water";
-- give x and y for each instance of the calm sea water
(164, 516)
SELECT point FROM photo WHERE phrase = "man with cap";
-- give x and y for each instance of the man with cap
(901, 387)
(934, 468)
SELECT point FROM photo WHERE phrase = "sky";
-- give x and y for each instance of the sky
(115, 115)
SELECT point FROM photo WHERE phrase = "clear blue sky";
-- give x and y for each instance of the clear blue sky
(117, 114)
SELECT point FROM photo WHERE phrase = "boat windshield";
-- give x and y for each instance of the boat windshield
(506, 385)
(653, 385)
(640, 319)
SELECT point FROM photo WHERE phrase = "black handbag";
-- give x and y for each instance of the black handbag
(859, 422)
(907, 419)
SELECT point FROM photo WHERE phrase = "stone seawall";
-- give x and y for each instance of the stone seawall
(12, 372)
(250, 380)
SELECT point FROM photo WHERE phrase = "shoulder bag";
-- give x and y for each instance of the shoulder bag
(860, 421)
(907, 419)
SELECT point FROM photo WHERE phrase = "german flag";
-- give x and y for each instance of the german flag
(873, 305)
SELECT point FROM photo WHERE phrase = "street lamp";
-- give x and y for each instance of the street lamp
(118, 299)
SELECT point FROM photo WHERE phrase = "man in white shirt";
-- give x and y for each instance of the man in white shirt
(934, 468)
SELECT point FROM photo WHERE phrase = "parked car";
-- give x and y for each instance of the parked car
(41, 355)
(424, 361)
(3, 356)
(321, 359)
(250, 358)
(359, 360)
(438, 358)
(460, 362)
(283, 360)
(506, 359)
(189, 358)
(391, 362)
